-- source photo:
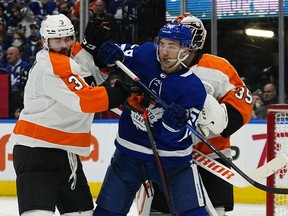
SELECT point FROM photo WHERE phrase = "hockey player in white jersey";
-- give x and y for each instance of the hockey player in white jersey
(54, 127)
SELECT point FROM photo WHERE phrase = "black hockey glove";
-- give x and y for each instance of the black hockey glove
(96, 32)
(120, 93)
(175, 116)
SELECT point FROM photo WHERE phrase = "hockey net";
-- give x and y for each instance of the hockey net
(277, 143)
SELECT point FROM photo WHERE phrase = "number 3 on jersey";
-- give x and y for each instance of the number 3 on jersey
(78, 83)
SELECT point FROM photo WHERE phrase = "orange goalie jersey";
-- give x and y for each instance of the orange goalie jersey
(228, 88)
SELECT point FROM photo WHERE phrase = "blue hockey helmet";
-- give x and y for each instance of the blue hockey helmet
(176, 31)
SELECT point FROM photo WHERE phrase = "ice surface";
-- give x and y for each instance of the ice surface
(8, 207)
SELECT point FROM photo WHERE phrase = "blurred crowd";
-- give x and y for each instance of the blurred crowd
(20, 40)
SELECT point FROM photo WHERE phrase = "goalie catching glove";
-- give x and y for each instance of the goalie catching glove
(213, 117)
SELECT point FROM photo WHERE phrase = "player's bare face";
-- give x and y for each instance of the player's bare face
(61, 45)
(168, 53)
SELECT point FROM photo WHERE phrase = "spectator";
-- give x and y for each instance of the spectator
(99, 11)
(259, 109)
(19, 41)
(5, 42)
(37, 9)
(20, 19)
(7, 6)
(270, 94)
(34, 40)
(50, 7)
(3, 12)
(18, 70)
(65, 9)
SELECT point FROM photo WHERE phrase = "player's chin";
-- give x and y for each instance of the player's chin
(64, 52)
(167, 67)
(166, 64)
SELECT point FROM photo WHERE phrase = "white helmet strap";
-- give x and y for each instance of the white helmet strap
(179, 61)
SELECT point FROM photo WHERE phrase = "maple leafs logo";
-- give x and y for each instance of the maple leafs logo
(154, 113)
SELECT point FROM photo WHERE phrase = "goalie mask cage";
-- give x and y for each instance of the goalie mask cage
(277, 143)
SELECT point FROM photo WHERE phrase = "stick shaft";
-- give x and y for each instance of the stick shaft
(158, 162)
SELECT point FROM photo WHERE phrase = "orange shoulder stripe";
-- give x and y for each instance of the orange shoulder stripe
(92, 99)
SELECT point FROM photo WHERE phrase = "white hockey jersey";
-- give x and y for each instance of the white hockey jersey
(58, 106)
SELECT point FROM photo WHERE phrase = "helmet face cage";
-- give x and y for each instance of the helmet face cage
(197, 29)
(175, 31)
(56, 26)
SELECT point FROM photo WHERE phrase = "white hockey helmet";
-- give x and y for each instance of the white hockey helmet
(197, 29)
(56, 26)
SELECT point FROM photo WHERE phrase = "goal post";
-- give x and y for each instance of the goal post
(277, 143)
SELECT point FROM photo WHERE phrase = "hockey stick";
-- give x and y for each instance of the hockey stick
(203, 139)
(231, 176)
(158, 162)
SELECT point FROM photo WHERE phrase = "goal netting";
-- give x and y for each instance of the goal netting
(277, 143)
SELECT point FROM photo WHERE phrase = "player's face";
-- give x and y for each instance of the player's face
(168, 53)
(61, 45)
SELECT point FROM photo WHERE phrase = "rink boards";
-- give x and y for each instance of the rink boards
(247, 144)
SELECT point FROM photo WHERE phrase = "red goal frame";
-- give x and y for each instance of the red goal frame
(273, 109)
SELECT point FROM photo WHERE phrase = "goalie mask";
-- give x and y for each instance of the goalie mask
(55, 26)
(178, 32)
(197, 29)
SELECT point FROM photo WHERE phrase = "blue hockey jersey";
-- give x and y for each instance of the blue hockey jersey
(183, 88)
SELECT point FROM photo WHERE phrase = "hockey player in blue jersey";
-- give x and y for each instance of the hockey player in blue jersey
(159, 66)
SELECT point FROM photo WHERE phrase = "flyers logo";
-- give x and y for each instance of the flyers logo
(94, 155)
(3, 142)
(4, 156)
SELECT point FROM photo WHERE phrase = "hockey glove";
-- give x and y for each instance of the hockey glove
(96, 32)
(120, 93)
(138, 102)
(109, 52)
(175, 117)
(213, 117)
